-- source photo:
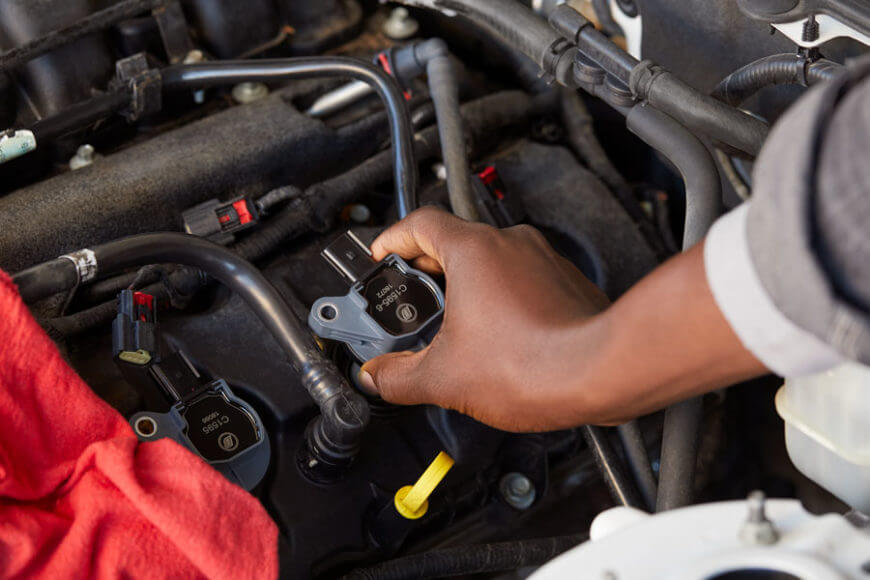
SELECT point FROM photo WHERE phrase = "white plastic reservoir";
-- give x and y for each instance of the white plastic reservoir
(827, 430)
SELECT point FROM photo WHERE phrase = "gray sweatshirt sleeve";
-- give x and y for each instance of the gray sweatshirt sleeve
(790, 270)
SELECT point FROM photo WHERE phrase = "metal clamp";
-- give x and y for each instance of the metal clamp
(85, 262)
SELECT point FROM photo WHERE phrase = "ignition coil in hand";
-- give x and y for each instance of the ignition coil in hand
(389, 306)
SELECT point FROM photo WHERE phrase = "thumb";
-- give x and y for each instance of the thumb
(397, 377)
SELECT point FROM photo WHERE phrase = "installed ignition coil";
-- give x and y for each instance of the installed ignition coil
(389, 307)
(203, 415)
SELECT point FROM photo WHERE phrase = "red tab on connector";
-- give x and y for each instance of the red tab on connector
(243, 212)
(144, 304)
(384, 61)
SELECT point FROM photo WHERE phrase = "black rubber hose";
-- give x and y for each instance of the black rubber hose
(679, 455)
(519, 28)
(510, 21)
(699, 112)
(703, 206)
(95, 22)
(691, 159)
(46, 279)
(592, 43)
(203, 75)
(468, 560)
(661, 88)
(639, 463)
(345, 413)
(580, 130)
(621, 487)
(80, 115)
(777, 69)
(444, 91)
(581, 135)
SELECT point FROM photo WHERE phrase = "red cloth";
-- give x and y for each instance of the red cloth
(80, 497)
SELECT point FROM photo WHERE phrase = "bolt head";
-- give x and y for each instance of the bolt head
(517, 490)
(360, 213)
(193, 56)
(400, 25)
(244, 93)
(86, 151)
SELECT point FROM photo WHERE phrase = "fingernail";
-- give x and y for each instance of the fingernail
(367, 383)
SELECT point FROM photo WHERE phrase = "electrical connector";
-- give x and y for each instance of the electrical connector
(219, 221)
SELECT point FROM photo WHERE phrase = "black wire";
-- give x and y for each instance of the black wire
(473, 559)
(622, 487)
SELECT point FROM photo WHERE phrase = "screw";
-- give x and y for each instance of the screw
(811, 29)
(360, 213)
(244, 93)
(757, 529)
(193, 56)
(440, 171)
(400, 25)
(517, 490)
(85, 155)
(86, 152)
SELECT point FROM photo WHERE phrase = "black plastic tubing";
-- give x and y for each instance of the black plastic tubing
(209, 74)
(703, 206)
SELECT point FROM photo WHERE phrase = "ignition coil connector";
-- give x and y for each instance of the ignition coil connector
(133, 337)
(219, 221)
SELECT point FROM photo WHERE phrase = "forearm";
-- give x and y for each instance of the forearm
(663, 341)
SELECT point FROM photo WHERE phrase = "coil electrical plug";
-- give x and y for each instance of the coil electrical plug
(389, 306)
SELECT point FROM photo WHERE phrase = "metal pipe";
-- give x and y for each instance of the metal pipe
(338, 99)
(621, 487)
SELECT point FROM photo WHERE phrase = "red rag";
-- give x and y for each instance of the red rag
(81, 497)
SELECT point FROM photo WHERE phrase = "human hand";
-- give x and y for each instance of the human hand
(513, 306)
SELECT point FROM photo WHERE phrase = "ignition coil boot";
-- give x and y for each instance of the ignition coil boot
(390, 306)
(204, 415)
(220, 220)
(133, 337)
(216, 425)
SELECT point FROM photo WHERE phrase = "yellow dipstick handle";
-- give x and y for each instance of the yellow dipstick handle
(412, 501)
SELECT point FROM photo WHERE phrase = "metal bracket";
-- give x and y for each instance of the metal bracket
(829, 29)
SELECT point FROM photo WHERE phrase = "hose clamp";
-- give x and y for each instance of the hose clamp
(85, 262)
(551, 65)
(642, 77)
